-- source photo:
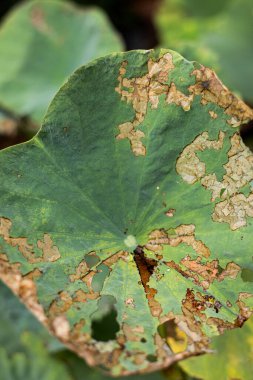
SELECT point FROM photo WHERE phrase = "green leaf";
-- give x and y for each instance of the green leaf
(15, 320)
(41, 44)
(31, 362)
(231, 359)
(80, 371)
(221, 40)
(120, 201)
(20, 332)
(231, 42)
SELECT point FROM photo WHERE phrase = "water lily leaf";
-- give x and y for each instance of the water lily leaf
(15, 320)
(221, 40)
(232, 357)
(41, 44)
(136, 195)
(31, 362)
(20, 331)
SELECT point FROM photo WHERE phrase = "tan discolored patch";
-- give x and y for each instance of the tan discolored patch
(245, 311)
(141, 92)
(130, 303)
(188, 165)
(234, 211)
(133, 334)
(211, 90)
(156, 239)
(61, 304)
(61, 327)
(204, 273)
(23, 287)
(34, 274)
(145, 90)
(213, 114)
(170, 213)
(81, 270)
(238, 171)
(50, 253)
(184, 233)
(234, 207)
(175, 96)
(232, 270)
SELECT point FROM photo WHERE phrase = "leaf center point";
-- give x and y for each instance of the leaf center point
(130, 242)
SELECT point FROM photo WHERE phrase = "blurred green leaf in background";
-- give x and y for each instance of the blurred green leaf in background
(215, 33)
(41, 43)
(232, 357)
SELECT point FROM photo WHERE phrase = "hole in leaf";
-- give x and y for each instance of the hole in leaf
(104, 321)
(247, 275)
(151, 358)
(246, 132)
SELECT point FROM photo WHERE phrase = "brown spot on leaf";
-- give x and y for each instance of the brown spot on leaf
(133, 334)
(213, 114)
(170, 213)
(34, 274)
(23, 287)
(188, 165)
(234, 207)
(81, 271)
(213, 91)
(232, 270)
(50, 252)
(61, 304)
(130, 302)
(177, 97)
(140, 92)
(245, 311)
(61, 327)
(184, 233)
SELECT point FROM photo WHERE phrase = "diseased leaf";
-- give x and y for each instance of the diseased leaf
(232, 357)
(136, 194)
(20, 331)
(41, 44)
